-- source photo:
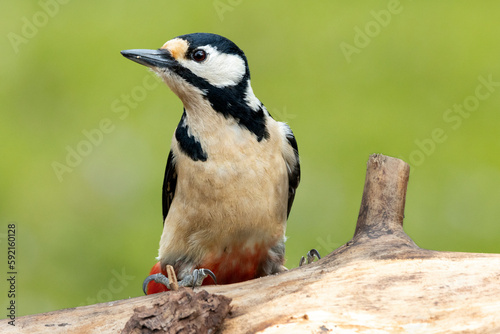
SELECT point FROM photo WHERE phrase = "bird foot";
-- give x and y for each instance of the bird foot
(313, 253)
(194, 279)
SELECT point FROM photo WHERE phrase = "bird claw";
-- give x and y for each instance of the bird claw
(193, 280)
(313, 253)
(197, 278)
(158, 278)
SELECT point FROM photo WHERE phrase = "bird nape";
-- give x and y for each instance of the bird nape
(231, 173)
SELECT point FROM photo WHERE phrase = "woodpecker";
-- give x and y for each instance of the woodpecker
(232, 170)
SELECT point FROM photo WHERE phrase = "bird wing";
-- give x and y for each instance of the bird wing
(293, 167)
(169, 184)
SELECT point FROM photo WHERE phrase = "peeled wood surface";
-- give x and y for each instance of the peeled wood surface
(380, 280)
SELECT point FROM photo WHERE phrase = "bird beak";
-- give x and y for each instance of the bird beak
(150, 58)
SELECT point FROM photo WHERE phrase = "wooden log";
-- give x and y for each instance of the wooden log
(379, 281)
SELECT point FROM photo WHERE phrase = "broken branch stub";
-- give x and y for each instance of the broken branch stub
(383, 201)
(379, 228)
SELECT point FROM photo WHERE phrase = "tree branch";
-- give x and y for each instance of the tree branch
(380, 280)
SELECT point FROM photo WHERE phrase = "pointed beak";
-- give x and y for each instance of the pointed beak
(150, 58)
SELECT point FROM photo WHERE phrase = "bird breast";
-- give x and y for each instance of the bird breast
(238, 196)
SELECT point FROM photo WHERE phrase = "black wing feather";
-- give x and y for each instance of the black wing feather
(169, 184)
(293, 171)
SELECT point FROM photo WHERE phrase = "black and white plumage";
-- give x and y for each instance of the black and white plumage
(232, 170)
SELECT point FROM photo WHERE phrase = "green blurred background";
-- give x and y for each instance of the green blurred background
(350, 78)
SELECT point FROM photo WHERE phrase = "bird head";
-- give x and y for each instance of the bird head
(195, 63)
(207, 69)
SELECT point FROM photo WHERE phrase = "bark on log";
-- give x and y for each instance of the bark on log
(380, 281)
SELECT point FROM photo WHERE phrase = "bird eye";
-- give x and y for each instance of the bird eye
(199, 55)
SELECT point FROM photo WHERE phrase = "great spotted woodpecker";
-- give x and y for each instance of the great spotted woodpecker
(232, 170)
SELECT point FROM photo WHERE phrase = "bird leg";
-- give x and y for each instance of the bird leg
(313, 253)
(194, 279)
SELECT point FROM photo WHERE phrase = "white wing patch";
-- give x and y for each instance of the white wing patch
(287, 150)
(219, 69)
(250, 98)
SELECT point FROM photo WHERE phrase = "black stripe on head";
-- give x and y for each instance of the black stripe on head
(187, 143)
(230, 100)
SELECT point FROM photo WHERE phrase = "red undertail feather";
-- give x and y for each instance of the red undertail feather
(229, 267)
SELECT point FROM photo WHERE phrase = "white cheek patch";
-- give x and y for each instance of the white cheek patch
(219, 69)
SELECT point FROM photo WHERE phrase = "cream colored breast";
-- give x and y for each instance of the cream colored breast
(239, 195)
